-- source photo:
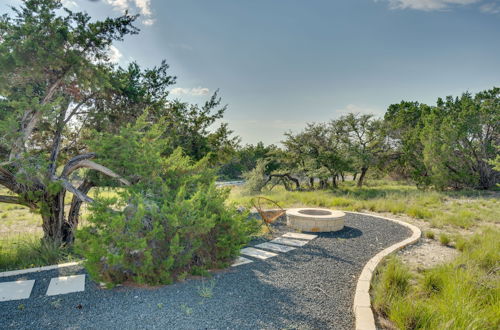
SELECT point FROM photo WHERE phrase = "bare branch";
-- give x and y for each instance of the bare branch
(74, 211)
(69, 187)
(83, 162)
(70, 166)
(14, 200)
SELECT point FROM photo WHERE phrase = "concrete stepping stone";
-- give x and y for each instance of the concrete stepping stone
(300, 236)
(275, 247)
(66, 284)
(289, 241)
(16, 290)
(256, 253)
(241, 261)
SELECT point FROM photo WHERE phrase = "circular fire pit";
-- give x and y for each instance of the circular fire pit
(315, 219)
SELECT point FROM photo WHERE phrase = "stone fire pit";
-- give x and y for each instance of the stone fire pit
(315, 219)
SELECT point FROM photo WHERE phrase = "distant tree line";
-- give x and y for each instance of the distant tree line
(452, 144)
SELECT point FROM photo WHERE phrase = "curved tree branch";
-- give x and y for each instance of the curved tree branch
(72, 164)
(94, 166)
(72, 189)
(14, 200)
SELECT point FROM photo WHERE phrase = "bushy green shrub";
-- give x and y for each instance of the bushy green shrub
(256, 178)
(171, 221)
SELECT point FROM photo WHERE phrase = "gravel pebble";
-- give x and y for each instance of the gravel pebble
(311, 287)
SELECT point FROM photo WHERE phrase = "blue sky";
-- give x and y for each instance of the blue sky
(282, 63)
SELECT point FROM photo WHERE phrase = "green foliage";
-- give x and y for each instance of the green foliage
(450, 145)
(172, 220)
(255, 180)
(392, 283)
(244, 159)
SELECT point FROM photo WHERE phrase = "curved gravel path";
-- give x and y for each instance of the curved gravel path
(311, 287)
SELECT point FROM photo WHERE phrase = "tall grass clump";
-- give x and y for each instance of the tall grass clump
(29, 250)
(464, 294)
(391, 284)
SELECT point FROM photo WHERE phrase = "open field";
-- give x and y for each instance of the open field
(464, 210)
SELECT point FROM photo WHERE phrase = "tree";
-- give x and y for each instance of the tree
(245, 159)
(191, 127)
(365, 139)
(459, 140)
(171, 222)
(58, 89)
(404, 123)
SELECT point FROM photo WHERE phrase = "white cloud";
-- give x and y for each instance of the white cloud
(120, 5)
(490, 8)
(148, 21)
(114, 54)
(198, 91)
(428, 5)
(69, 3)
(142, 6)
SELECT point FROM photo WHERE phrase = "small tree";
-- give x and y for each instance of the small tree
(51, 68)
(171, 221)
(459, 140)
(256, 179)
(365, 139)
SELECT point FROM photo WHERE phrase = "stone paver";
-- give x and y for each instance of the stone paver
(289, 241)
(256, 253)
(66, 284)
(299, 236)
(16, 290)
(241, 261)
(275, 247)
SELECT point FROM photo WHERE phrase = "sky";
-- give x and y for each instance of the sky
(280, 64)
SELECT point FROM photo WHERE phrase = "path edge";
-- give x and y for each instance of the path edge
(363, 313)
(38, 269)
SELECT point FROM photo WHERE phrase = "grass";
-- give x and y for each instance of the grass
(20, 233)
(28, 250)
(464, 294)
(444, 239)
(206, 291)
(464, 210)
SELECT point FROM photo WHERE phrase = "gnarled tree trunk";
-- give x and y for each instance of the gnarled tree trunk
(362, 176)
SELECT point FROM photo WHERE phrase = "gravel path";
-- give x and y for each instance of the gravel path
(311, 287)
